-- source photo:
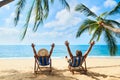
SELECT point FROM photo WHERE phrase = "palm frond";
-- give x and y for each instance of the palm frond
(52, 1)
(83, 9)
(93, 27)
(65, 4)
(46, 8)
(36, 12)
(115, 10)
(20, 5)
(39, 15)
(85, 26)
(97, 33)
(40, 21)
(111, 41)
(94, 35)
(27, 21)
(104, 15)
(112, 22)
(81, 30)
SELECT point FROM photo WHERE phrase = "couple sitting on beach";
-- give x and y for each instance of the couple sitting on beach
(78, 52)
(75, 61)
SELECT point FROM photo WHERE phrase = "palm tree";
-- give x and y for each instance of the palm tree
(4, 2)
(41, 9)
(96, 28)
(115, 10)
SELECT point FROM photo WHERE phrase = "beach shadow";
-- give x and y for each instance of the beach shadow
(56, 75)
(104, 66)
(96, 75)
(16, 75)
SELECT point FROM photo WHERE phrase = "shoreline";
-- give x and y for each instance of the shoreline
(60, 57)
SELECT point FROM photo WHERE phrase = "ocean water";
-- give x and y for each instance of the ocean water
(20, 51)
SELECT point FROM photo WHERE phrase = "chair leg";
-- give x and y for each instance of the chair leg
(85, 67)
(35, 67)
(50, 65)
(69, 67)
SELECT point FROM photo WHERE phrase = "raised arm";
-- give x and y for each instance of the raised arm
(89, 49)
(33, 47)
(52, 46)
(68, 48)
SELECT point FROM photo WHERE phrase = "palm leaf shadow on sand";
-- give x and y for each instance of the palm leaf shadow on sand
(55, 74)
(104, 66)
(95, 75)
(16, 75)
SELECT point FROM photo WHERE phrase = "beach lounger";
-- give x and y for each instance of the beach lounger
(42, 60)
(78, 60)
(79, 63)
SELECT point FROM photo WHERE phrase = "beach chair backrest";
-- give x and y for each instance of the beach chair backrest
(43, 60)
(76, 61)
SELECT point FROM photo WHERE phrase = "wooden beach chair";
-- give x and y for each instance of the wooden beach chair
(78, 60)
(79, 63)
(42, 60)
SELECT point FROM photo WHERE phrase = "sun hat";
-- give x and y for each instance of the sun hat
(43, 52)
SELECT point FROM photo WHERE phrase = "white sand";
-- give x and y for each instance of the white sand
(98, 69)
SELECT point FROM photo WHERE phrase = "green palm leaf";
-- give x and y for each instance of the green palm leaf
(98, 26)
(111, 41)
(104, 15)
(46, 8)
(93, 27)
(39, 15)
(65, 4)
(115, 10)
(41, 12)
(20, 5)
(81, 30)
(27, 21)
(97, 33)
(82, 8)
(84, 27)
(52, 1)
(112, 22)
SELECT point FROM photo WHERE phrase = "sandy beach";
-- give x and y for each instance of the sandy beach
(98, 69)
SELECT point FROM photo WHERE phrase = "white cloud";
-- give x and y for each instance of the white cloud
(9, 20)
(110, 3)
(63, 20)
(9, 35)
(95, 9)
(7, 7)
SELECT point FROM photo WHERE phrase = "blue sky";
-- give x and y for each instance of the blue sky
(60, 25)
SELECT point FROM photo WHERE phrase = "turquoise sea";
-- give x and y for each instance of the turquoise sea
(20, 51)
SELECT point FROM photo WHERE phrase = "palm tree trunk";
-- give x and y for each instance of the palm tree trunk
(116, 30)
(4, 2)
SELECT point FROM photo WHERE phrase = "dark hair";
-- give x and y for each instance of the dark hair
(78, 53)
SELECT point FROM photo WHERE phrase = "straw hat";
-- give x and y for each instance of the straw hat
(43, 52)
